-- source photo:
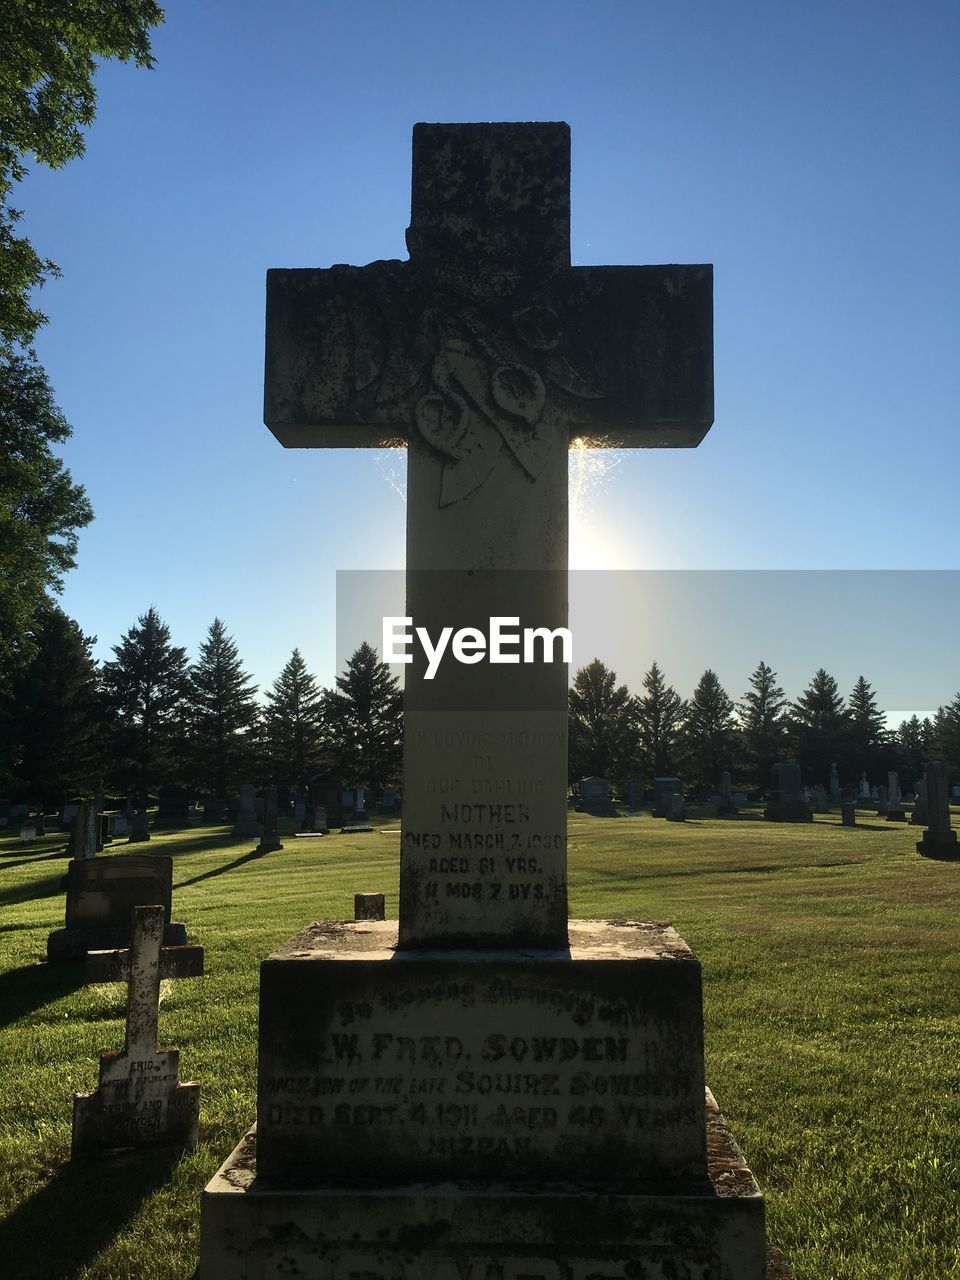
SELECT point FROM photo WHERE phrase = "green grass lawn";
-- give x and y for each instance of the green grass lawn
(831, 960)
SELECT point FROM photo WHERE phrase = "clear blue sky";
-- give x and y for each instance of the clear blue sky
(809, 151)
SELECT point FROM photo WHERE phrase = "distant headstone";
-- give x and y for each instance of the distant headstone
(214, 811)
(320, 818)
(895, 810)
(270, 838)
(139, 827)
(727, 806)
(368, 906)
(785, 799)
(939, 840)
(246, 823)
(28, 831)
(920, 810)
(139, 1100)
(677, 812)
(835, 793)
(594, 795)
(633, 793)
(85, 834)
(101, 893)
(663, 789)
(848, 812)
(173, 810)
(299, 810)
(326, 793)
(388, 800)
(821, 801)
(883, 803)
(119, 825)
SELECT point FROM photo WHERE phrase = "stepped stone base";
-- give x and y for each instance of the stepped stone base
(696, 1229)
(73, 944)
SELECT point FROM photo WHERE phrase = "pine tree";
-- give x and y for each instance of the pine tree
(222, 714)
(944, 741)
(762, 723)
(292, 724)
(145, 691)
(601, 734)
(866, 729)
(912, 741)
(818, 727)
(658, 715)
(364, 722)
(56, 713)
(709, 732)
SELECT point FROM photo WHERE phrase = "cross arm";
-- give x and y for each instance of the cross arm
(621, 355)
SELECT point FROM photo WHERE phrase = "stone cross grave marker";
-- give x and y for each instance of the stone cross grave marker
(139, 1100)
(459, 1066)
(486, 353)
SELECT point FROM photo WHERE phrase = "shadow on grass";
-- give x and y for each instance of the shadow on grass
(29, 988)
(176, 845)
(29, 862)
(32, 889)
(61, 1228)
(219, 871)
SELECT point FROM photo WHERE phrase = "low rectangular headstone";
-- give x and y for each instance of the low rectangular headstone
(139, 1100)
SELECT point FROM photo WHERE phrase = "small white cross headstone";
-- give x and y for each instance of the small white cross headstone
(139, 1100)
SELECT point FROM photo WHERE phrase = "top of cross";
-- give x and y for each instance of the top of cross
(619, 355)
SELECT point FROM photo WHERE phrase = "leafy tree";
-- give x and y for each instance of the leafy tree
(762, 723)
(709, 732)
(222, 713)
(818, 726)
(601, 734)
(293, 724)
(41, 509)
(47, 99)
(658, 715)
(145, 690)
(56, 725)
(364, 722)
(866, 729)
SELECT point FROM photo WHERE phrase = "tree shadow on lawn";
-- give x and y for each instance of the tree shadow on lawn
(177, 846)
(29, 862)
(62, 1227)
(30, 987)
(219, 871)
(32, 889)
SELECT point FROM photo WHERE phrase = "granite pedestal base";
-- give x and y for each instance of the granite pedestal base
(702, 1229)
(483, 1115)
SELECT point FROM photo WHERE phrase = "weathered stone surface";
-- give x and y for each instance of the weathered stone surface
(709, 1228)
(368, 906)
(114, 965)
(920, 811)
(848, 814)
(939, 840)
(139, 827)
(139, 1100)
(584, 1063)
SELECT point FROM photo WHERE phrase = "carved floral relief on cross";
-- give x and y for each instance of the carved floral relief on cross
(477, 378)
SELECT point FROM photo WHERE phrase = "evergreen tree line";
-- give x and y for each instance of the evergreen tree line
(149, 717)
(618, 735)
